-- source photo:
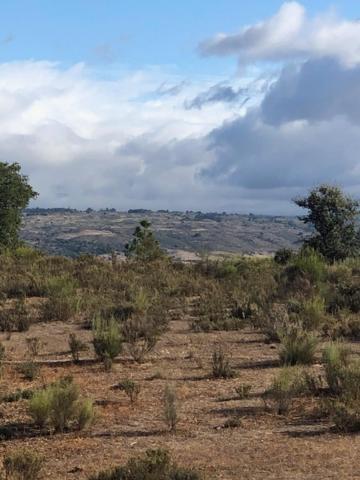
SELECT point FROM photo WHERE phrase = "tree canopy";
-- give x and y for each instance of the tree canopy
(333, 215)
(144, 245)
(15, 195)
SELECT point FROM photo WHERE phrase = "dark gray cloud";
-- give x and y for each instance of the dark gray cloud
(217, 94)
(316, 90)
(252, 154)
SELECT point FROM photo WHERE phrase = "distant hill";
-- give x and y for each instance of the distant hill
(71, 232)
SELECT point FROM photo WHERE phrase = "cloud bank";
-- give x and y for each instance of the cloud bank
(156, 139)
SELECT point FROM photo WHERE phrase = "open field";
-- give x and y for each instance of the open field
(220, 433)
(264, 446)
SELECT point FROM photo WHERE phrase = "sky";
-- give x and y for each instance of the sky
(195, 105)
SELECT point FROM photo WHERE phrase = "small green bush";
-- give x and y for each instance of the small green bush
(23, 465)
(298, 347)
(336, 358)
(131, 388)
(285, 387)
(59, 405)
(107, 341)
(40, 407)
(154, 465)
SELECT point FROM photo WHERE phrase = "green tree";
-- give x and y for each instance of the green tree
(144, 245)
(15, 194)
(333, 215)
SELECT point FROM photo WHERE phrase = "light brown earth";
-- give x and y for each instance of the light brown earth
(265, 446)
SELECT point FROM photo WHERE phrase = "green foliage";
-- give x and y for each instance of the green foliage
(287, 385)
(62, 302)
(336, 358)
(107, 341)
(298, 346)
(310, 264)
(333, 216)
(59, 405)
(40, 407)
(23, 465)
(144, 247)
(15, 194)
(154, 465)
(131, 388)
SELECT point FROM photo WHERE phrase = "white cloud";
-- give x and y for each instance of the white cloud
(291, 34)
(72, 129)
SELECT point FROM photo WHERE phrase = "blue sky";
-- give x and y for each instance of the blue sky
(143, 104)
(132, 32)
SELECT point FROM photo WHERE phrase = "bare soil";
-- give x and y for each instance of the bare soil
(265, 446)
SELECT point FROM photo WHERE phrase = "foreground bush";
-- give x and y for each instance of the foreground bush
(154, 465)
(59, 406)
(22, 465)
(298, 346)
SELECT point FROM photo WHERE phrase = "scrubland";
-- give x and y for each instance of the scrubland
(235, 369)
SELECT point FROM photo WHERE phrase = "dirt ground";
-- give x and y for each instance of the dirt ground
(264, 446)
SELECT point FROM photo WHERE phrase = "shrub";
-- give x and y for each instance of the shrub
(298, 347)
(141, 336)
(40, 407)
(15, 317)
(76, 346)
(59, 405)
(131, 389)
(154, 465)
(221, 364)
(336, 360)
(170, 408)
(283, 256)
(29, 370)
(107, 341)
(85, 413)
(23, 465)
(64, 397)
(311, 264)
(62, 302)
(243, 391)
(285, 387)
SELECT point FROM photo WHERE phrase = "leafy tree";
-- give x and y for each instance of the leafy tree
(144, 245)
(15, 194)
(333, 215)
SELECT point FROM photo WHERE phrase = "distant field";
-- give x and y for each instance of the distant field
(73, 232)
